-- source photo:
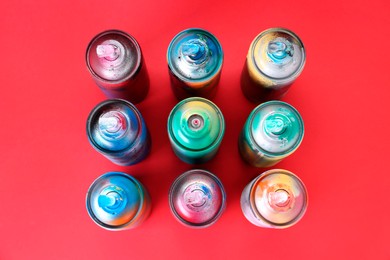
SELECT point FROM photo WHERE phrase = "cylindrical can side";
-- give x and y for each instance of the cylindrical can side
(134, 89)
(135, 154)
(250, 153)
(193, 156)
(183, 90)
(257, 88)
(246, 207)
(145, 211)
(135, 151)
(127, 77)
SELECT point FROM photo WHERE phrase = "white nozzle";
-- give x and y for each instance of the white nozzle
(108, 51)
(279, 198)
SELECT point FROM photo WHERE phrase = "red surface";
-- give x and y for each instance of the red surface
(47, 163)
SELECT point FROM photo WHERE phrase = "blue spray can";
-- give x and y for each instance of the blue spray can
(195, 60)
(116, 129)
(117, 201)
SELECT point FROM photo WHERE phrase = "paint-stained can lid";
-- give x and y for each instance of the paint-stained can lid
(116, 200)
(195, 55)
(278, 54)
(196, 124)
(113, 56)
(279, 198)
(197, 198)
(113, 125)
(276, 128)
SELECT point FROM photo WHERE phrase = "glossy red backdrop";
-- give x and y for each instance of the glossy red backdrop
(47, 164)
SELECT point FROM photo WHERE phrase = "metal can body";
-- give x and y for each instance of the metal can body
(195, 60)
(275, 199)
(197, 198)
(276, 57)
(273, 131)
(117, 130)
(195, 128)
(116, 63)
(117, 201)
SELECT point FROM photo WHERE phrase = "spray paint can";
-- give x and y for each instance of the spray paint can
(195, 60)
(273, 131)
(195, 127)
(117, 201)
(197, 198)
(275, 199)
(115, 61)
(275, 59)
(116, 129)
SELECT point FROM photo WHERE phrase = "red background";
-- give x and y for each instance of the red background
(47, 163)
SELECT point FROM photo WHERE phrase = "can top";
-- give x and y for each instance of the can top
(195, 55)
(279, 197)
(197, 198)
(114, 200)
(276, 128)
(278, 53)
(113, 125)
(113, 56)
(196, 124)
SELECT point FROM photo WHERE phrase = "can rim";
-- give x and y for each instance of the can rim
(215, 217)
(128, 224)
(92, 115)
(217, 69)
(258, 215)
(138, 64)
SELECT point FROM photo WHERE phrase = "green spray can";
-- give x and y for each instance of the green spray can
(273, 131)
(195, 128)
